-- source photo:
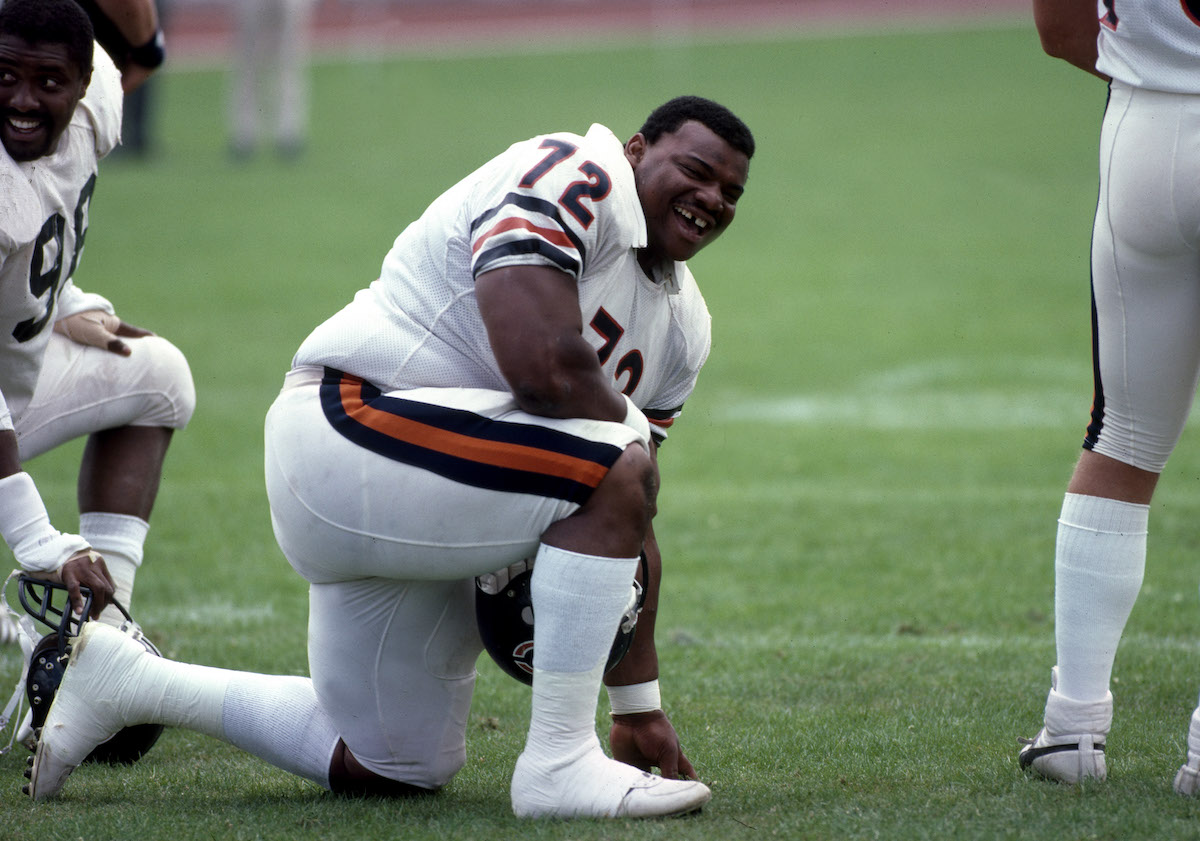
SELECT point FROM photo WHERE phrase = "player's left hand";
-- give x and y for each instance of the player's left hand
(648, 740)
(97, 328)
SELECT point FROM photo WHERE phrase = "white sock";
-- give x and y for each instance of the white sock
(274, 717)
(578, 601)
(277, 718)
(1100, 559)
(120, 538)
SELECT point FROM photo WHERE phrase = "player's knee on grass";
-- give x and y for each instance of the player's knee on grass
(349, 778)
(393, 664)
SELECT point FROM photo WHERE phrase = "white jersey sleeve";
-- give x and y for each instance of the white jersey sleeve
(1153, 44)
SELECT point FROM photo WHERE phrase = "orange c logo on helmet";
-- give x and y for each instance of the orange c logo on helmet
(523, 656)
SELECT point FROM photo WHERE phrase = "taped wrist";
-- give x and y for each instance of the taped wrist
(635, 698)
(25, 526)
(636, 421)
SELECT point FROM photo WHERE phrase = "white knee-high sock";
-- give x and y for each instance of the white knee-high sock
(274, 717)
(578, 601)
(1100, 559)
(277, 718)
(120, 538)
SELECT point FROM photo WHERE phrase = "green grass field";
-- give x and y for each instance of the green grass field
(858, 507)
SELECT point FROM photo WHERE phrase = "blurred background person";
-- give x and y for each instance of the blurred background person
(270, 82)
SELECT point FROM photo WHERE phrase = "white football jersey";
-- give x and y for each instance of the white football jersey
(557, 200)
(43, 220)
(1152, 44)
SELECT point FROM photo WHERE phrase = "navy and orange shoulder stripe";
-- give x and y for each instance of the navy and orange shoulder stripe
(516, 233)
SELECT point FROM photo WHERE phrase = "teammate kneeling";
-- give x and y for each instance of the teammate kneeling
(69, 367)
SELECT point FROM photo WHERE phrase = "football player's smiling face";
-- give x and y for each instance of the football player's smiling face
(689, 183)
(40, 86)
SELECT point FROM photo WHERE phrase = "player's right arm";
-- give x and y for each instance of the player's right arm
(536, 333)
(1068, 30)
(547, 211)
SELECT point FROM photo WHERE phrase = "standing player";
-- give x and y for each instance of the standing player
(68, 366)
(484, 401)
(1146, 323)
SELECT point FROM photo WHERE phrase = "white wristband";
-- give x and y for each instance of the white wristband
(635, 698)
(636, 420)
(25, 526)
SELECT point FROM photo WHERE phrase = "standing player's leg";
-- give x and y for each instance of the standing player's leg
(292, 49)
(1146, 292)
(245, 94)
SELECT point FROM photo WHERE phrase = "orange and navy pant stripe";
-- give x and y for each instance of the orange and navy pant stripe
(464, 446)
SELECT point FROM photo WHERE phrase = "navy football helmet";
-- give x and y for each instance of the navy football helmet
(504, 615)
(49, 660)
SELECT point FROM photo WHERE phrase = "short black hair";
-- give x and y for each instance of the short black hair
(669, 116)
(51, 22)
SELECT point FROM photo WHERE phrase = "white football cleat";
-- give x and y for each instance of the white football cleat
(1067, 759)
(86, 708)
(594, 786)
(1070, 747)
